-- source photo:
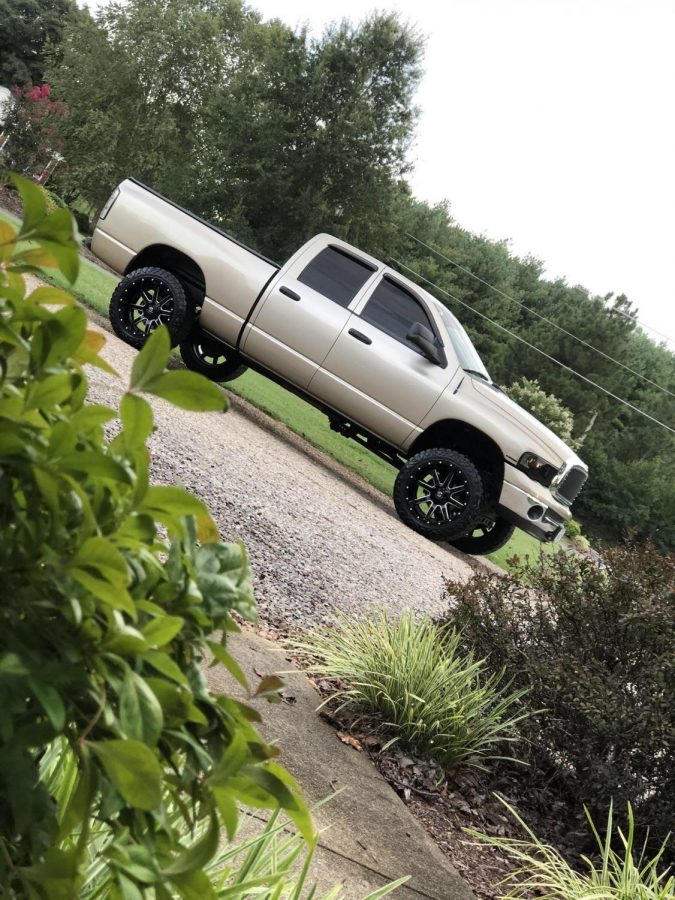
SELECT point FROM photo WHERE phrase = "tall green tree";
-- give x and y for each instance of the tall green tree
(29, 30)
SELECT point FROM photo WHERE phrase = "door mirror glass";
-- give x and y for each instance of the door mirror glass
(423, 338)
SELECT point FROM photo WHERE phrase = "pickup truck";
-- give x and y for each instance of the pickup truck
(387, 362)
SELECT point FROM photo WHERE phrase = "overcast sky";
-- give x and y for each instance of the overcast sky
(550, 123)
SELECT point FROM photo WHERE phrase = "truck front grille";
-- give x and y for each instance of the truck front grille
(570, 487)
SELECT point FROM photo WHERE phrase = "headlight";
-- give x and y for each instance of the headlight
(108, 203)
(537, 468)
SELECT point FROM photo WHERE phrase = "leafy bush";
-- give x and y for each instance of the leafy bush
(427, 693)
(594, 644)
(109, 605)
(543, 872)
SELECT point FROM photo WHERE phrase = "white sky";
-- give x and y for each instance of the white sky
(548, 122)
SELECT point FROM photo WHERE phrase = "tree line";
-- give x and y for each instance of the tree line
(275, 135)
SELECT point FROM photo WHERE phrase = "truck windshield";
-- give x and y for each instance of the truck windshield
(467, 354)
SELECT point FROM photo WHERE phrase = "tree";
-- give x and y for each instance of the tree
(29, 31)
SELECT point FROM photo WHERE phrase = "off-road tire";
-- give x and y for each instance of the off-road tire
(439, 493)
(208, 356)
(487, 535)
(145, 299)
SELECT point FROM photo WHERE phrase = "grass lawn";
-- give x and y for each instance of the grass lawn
(94, 287)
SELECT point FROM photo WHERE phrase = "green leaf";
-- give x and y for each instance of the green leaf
(58, 875)
(188, 390)
(229, 812)
(10, 664)
(172, 499)
(199, 854)
(152, 359)
(272, 784)
(140, 712)
(221, 655)
(174, 699)
(195, 886)
(133, 769)
(51, 702)
(298, 811)
(163, 663)
(112, 594)
(64, 256)
(34, 202)
(232, 761)
(50, 391)
(91, 416)
(100, 554)
(51, 296)
(162, 630)
(96, 465)
(79, 801)
(136, 417)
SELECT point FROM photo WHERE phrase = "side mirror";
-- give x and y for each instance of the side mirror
(424, 339)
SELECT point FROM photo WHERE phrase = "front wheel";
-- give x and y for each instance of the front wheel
(145, 299)
(204, 354)
(439, 493)
(490, 533)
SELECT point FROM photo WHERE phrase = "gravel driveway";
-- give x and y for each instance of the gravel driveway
(320, 538)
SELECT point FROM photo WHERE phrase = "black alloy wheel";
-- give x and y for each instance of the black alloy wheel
(208, 356)
(490, 533)
(439, 493)
(145, 299)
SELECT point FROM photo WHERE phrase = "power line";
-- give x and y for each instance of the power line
(544, 318)
(537, 349)
(478, 278)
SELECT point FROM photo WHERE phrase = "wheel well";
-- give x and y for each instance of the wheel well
(181, 265)
(468, 439)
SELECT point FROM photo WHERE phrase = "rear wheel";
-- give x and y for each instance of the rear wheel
(439, 493)
(208, 356)
(145, 299)
(490, 533)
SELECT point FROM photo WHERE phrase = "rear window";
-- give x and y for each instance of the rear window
(336, 274)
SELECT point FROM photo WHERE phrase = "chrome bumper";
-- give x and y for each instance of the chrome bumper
(531, 514)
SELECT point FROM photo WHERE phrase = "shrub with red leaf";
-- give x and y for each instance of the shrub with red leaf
(593, 643)
(32, 127)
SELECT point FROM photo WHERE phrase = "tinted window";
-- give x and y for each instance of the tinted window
(394, 310)
(336, 275)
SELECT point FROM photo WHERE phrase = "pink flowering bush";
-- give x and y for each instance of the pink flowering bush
(31, 127)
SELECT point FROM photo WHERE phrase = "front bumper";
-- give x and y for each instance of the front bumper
(542, 518)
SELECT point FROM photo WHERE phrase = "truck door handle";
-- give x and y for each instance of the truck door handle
(360, 336)
(287, 292)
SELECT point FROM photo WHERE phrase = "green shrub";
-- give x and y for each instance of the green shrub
(109, 607)
(83, 221)
(572, 529)
(610, 875)
(54, 202)
(594, 645)
(426, 692)
(546, 407)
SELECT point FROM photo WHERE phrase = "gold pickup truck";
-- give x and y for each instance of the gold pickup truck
(388, 363)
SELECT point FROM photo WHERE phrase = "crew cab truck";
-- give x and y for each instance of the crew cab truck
(388, 363)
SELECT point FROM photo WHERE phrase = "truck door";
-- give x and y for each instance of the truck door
(307, 307)
(373, 374)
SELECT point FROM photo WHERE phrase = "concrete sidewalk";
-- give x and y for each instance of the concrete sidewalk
(372, 839)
